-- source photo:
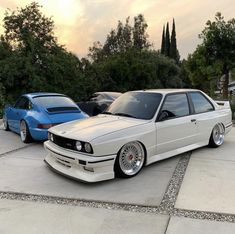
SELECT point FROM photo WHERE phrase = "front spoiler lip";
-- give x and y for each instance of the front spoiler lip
(68, 176)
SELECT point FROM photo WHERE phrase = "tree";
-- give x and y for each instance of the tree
(173, 53)
(36, 61)
(219, 42)
(201, 73)
(163, 41)
(122, 39)
(140, 37)
(167, 41)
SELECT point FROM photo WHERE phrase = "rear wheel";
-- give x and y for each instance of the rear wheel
(24, 132)
(130, 160)
(5, 123)
(217, 136)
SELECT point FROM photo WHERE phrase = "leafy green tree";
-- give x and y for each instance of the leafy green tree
(201, 73)
(136, 69)
(121, 39)
(219, 43)
(140, 37)
(36, 61)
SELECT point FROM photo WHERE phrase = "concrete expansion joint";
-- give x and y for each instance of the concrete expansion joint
(166, 207)
(16, 150)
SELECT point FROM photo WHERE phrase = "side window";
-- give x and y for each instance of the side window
(176, 105)
(23, 103)
(201, 104)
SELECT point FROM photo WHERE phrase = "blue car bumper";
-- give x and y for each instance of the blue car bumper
(38, 134)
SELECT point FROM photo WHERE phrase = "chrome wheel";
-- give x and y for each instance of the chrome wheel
(23, 131)
(131, 158)
(5, 123)
(218, 134)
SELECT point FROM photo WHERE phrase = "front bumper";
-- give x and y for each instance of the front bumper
(79, 166)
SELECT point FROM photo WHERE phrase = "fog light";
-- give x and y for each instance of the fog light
(89, 169)
(50, 136)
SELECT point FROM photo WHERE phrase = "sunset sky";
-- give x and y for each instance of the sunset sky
(81, 22)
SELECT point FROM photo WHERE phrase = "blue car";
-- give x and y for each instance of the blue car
(34, 113)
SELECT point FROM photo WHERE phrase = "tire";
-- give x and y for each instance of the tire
(24, 132)
(217, 136)
(5, 123)
(130, 160)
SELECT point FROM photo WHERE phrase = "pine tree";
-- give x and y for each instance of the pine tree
(163, 41)
(173, 47)
(167, 41)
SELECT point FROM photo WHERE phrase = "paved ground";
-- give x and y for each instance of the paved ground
(190, 193)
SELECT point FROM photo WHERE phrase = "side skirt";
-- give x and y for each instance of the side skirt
(171, 153)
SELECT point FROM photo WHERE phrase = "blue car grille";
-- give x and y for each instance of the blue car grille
(64, 142)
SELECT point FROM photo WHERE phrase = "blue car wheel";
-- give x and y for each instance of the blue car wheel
(5, 123)
(24, 132)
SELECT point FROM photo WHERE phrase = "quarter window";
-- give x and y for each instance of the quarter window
(201, 104)
(176, 105)
(23, 103)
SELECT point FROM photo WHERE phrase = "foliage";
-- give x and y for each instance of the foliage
(122, 39)
(174, 53)
(136, 69)
(167, 41)
(219, 43)
(32, 60)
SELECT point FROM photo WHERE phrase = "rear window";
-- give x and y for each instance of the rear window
(56, 103)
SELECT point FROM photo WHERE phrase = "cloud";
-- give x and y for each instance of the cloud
(81, 22)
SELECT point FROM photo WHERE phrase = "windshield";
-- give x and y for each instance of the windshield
(140, 105)
(48, 102)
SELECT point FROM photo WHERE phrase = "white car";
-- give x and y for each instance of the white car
(139, 128)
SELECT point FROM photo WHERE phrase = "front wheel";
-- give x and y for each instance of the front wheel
(5, 123)
(217, 136)
(130, 160)
(24, 132)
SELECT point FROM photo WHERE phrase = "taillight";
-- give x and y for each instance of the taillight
(45, 126)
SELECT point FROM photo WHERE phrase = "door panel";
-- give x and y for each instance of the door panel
(175, 133)
(177, 128)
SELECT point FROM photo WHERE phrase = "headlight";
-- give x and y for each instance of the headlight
(87, 147)
(78, 145)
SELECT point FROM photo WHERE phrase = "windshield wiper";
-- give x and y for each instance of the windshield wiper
(107, 113)
(126, 115)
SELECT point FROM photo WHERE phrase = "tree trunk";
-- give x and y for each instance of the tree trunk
(226, 81)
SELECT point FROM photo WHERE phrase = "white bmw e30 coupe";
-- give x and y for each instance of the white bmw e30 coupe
(139, 128)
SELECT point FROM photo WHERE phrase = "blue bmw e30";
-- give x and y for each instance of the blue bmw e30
(34, 113)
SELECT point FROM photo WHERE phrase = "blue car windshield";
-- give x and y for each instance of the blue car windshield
(140, 105)
(56, 103)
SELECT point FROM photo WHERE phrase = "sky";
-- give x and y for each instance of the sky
(78, 23)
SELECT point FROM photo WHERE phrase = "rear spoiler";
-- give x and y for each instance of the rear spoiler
(223, 104)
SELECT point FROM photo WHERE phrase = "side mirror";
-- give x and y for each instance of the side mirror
(163, 116)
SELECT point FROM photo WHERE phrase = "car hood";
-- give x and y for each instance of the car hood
(94, 127)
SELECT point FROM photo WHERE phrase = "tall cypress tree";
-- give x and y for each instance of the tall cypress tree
(173, 47)
(163, 41)
(167, 41)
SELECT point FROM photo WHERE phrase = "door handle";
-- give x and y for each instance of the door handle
(193, 120)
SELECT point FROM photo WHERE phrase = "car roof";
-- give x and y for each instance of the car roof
(41, 94)
(166, 91)
(108, 93)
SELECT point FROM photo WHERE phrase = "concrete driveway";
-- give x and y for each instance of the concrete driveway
(189, 193)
